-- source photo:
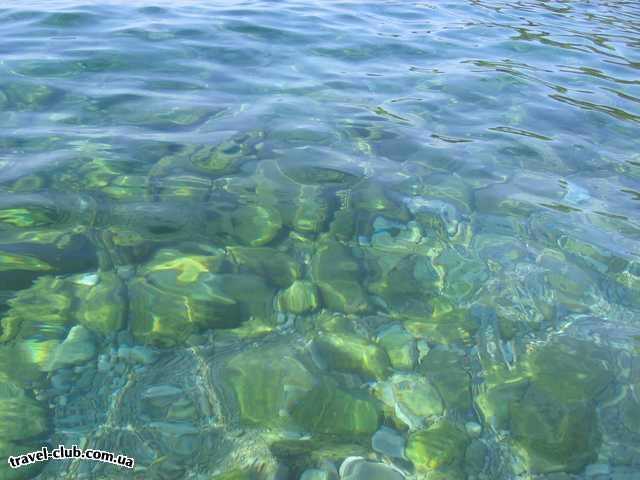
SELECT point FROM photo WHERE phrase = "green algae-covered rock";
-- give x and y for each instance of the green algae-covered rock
(351, 353)
(25, 256)
(30, 96)
(444, 368)
(226, 157)
(410, 400)
(316, 166)
(453, 326)
(255, 225)
(76, 349)
(127, 187)
(11, 449)
(278, 267)
(168, 318)
(176, 295)
(463, 274)
(438, 446)
(18, 271)
(229, 154)
(265, 383)
(400, 347)
(343, 225)
(337, 274)
(494, 402)
(23, 362)
(101, 302)
(299, 298)
(396, 238)
(406, 283)
(552, 435)
(372, 197)
(328, 409)
(273, 388)
(275, 189)
(182, 188)
(36, 322)
(569, 370)
(21, 417)
(43, 234)
(312, 210)
(106, 176)
(253, 294)
(547, 403)
(591, 256)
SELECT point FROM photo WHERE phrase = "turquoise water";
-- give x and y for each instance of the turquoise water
(321, 240)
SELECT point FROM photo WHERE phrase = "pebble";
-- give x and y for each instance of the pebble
(357, 468)
(388, 442)
(315, 474)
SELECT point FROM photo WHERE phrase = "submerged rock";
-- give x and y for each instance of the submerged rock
(25, 472)
(265, 383)
(361, 469)
(405, 283)
(299, 298)
(449, 327)
(351, 353)
(337, 274)
(312, 210)
(274, 389)
(400, 347)
(278, 267)
(438, 446)
(554, 436)
(255, 225)
(101, 302)
(328, 409)
(444, 368)
(387, 441)
(410, 399)
(21, 417)
(226, 157)
(76, 349)
(176, 295)
(548, 405)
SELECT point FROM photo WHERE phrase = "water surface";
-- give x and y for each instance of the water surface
(255, 239)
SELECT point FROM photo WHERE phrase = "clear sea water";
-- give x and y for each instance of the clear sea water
(321, 240)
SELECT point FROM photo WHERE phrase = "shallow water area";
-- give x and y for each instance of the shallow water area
(321, 240)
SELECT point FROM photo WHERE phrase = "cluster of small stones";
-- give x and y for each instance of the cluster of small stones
(232, 314)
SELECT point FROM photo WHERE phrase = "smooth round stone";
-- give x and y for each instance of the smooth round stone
(388, 442)
(355, 468)
(315, 474)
